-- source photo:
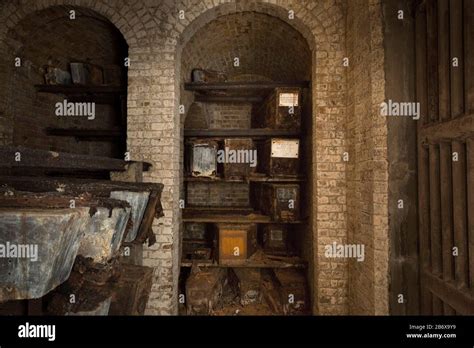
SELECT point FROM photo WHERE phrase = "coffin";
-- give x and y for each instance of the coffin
(138, 201)
(104, 233)
(56, 233)
(137, 195)
(204, 290)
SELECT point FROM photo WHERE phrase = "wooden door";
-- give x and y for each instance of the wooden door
(445, 90)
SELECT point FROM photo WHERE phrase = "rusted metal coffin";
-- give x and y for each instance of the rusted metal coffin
(88, 290)
(275, 239)
(240, 158)
(54, 231)
(279, 157)
(104, 232)
(280, 110)
(280, 201)
(138, 201)
(141, 197)
(236, 243)
(204, 289)
(201, 158)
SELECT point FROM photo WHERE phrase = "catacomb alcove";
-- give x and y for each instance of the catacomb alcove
(77, 59)
(241, 250)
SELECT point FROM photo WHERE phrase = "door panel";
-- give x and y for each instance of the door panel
(445, 89)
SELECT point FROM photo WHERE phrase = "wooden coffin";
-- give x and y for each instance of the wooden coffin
(132, 290)
(280, 201)
(249, 285)
(240, 158)
(292, 287)
(92, 286)
(279, 157)
(201, 158)
(235, 243)
(275, 239)
(204, 289)
(280, 110)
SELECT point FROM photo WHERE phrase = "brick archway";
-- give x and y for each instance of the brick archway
(325, 39)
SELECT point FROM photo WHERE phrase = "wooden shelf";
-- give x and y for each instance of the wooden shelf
(85, 134)
(206, 215)
(107, 95)
(59, 161)
(241, 133)
(252, 178)
(80, 89)
(258, 260)
(243, 85)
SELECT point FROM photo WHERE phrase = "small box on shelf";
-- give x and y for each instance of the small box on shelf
(279, 201)
(235, 243)
(280, 110)
(239, 158)
(279, 157)
(201, 159)
(275, 239)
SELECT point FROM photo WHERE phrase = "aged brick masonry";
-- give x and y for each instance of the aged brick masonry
(390, 184)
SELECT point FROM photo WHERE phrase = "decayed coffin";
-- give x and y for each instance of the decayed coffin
(293, 291)
(201, 159)
(249, 285)
(279, 201)
(46, 235)
(131, 290)
(204, 288)
(279, 157)
(143, 198)
(280, 110)
(88, 291)
(103, 234)
(275, 239)
(238, 166)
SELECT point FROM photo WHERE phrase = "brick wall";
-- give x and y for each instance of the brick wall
(157, 40)
(367, 169)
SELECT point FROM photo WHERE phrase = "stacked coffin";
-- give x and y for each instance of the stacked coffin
(273, 184)
(80, 227)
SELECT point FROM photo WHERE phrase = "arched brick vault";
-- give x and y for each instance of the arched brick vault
(156, 36)
(50, 34)
(131, 18)
(322, 26)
